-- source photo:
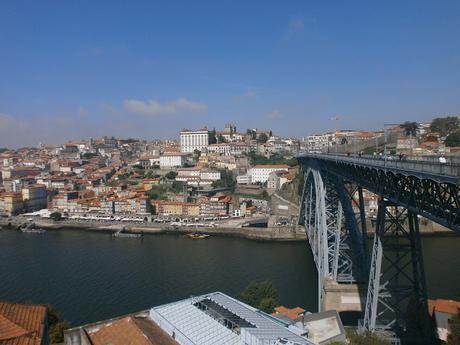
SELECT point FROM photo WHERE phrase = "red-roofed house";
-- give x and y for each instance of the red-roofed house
(23, 324)
(442, 311)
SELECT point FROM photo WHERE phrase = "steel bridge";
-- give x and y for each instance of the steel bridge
(333, 214)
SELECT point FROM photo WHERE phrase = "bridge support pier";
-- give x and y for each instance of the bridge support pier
(344, 297)
(396, 297)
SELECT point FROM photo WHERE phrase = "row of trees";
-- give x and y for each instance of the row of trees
(226, 180)
(448, 127)
(257, 159)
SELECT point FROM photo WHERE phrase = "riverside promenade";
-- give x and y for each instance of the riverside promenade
(281, 234)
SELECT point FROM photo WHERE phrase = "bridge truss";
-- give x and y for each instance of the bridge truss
(333, 230)
(332, 212)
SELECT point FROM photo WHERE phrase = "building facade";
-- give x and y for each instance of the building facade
(194, 140)
(260, 173)
(171, 160)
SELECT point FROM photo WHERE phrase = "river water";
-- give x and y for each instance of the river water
(89, 276)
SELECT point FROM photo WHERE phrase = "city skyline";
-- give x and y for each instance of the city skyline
(151, 70)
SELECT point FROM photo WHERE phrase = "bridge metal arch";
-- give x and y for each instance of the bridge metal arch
(396, 281)
(323, 211)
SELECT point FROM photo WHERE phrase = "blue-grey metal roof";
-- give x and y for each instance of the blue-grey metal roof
(191, 325)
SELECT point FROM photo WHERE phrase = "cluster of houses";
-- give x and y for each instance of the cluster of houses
(110, 176)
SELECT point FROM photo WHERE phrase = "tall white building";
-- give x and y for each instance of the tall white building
(194, 140)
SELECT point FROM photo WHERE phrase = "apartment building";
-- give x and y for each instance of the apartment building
(218, 205)
(176, 208)
(34, 197)
(11, 203)
(260, 173)
(172, 159)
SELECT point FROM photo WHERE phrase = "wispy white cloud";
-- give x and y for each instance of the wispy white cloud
(274, 115)
(154, 107)
(296, 25)
(247, 95)
(8, 122)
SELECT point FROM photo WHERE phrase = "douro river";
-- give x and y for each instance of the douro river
(90, 276)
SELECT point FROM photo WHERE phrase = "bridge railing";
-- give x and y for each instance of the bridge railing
(394, 162)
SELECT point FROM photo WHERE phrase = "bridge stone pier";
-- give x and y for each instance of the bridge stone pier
(344, 297)
(386, 282)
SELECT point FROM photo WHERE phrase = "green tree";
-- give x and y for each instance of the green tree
(251, 133)
(261, 295)
(453, 139)
(444, 125)
(257, 159)
(454, 336)
(157, 193)
(366, 338)
(56, 325)
(410, 128)
(226, 180)
(177, 186)
(89, 155)
(262, 139)
(212, 136)
(149, 174)
(265, 195)
(56, 216)
(171, 175)
(221, 139)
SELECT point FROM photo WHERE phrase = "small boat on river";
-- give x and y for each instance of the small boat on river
(197, 236)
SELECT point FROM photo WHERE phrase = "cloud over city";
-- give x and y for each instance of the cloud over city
(274, 115)
(154, 107)
(296, 25)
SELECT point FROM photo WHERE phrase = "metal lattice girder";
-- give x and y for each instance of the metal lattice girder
(322, 215)
(432, 196)
(396, 297)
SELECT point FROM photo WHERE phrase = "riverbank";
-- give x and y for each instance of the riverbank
(273, 234)
(276, 234)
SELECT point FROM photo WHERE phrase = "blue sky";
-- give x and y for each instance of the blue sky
(73, 69)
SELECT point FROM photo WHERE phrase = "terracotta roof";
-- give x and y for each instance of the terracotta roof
(129, 331)
(293, 313)
(21, 324)
(444, 306)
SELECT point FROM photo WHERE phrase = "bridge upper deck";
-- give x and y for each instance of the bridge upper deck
(423, 168)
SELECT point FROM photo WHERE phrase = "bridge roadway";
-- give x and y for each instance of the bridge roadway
(426, 187)
(333, 214)
(420, 167)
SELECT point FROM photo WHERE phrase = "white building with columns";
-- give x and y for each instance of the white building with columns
(194, 140)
